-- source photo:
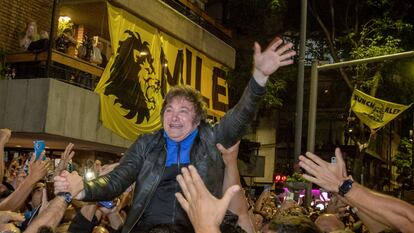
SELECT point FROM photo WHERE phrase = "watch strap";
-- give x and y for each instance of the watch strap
(345, 187)
(67, 196)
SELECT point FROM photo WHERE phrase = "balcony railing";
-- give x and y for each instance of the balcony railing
(199, 16)
(63, 67)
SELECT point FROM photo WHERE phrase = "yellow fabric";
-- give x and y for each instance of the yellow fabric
(373, 112)
(142, 69)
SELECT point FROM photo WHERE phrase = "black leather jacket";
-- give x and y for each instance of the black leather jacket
(144, 161)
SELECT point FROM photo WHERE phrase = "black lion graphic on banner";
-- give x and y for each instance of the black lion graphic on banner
(132, 78)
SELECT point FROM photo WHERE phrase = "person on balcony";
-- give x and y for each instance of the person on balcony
(65, 43)
(29, 36)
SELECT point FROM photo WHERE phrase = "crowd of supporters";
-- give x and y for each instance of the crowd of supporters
(25, 205)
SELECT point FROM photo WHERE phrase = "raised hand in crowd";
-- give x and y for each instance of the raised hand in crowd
(37, 170)
(238, 205)
(204, 210)
(114, 217)
(45, 202)
(7, 218)
(380, 208)
(69, 182)
(65, 158)
(272, 58)
(4, 138)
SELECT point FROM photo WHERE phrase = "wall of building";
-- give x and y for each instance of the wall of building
(14, 14)
(170, 21)
(54, 107)
(264, 132)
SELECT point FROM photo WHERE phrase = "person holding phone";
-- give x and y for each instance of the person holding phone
(37, 171)
(154, 160)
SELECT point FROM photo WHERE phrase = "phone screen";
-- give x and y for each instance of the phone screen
(107, 204)
(39, 146)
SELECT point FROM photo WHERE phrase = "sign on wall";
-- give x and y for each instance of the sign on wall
(145, 64)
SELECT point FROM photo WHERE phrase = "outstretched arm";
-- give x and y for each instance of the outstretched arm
(37, 170)
(51, 217)
(238, 204)
(388, 210)
(234, 124)
(198, 202)
(70, 182)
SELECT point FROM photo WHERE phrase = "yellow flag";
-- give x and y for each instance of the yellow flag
(129, 88)
(373, 112)
(144, 65)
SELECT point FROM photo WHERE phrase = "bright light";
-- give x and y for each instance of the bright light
(89, 175)
(320, 206)
(64, 19)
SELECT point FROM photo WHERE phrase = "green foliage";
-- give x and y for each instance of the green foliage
(64, 24)
(295, 177)
(397, 82)
(377, 37)
(403, 158)
(274, 88)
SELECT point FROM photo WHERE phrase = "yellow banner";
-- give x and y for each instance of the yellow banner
(145, 64)
(373, 112)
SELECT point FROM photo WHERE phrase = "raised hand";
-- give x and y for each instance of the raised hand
(327, 175)
(45, 202)
(198, 202)
(268, 61)
(69, 182)
(38, 168)
(229, 155)
(67, 155)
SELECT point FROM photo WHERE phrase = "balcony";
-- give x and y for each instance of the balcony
(57, 112)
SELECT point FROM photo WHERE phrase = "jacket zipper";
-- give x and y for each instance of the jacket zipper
(176, 183)
(151, 193)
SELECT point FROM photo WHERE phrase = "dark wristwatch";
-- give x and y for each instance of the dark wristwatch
(66, 196)
(345, 187)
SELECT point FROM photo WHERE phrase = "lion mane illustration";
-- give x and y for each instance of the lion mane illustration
(133, 79)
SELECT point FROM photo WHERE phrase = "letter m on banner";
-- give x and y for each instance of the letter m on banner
(373, 112)
(146, 63)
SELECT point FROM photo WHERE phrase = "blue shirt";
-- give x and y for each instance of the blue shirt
(179, 150)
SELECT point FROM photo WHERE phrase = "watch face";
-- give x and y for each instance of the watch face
(66, 195)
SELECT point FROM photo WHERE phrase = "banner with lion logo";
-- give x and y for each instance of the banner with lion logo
(373, 112)
(145, 63)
